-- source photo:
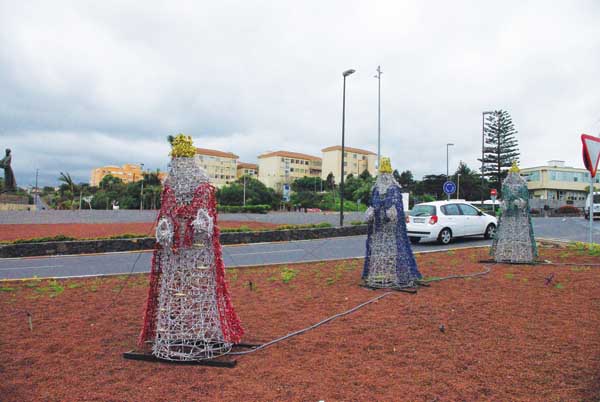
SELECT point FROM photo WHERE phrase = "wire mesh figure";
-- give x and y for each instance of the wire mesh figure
(389, 260)
(514, 240)
(189, 314)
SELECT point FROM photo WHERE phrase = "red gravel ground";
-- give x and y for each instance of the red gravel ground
(508, 336)
(11, 232)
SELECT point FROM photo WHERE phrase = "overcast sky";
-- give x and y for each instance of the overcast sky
(91, 83)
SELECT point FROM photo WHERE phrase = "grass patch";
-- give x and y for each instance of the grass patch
(585, 248)
(288, 274)
(559, 286)
(74, 285)
(7, 289)
(509, 275)
(53, 289)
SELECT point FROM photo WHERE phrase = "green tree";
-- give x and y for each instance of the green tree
(365, 175)
(330, 182)
(470, 183)
(501, 148)
(71, 186)
(308, 184)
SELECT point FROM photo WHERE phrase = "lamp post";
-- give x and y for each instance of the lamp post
(447, 167)
(344, 74)
(142, 189)
(378, 76)
(482, 150)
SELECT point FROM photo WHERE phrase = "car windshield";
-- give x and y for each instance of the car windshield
(422, 210)
(596, 198)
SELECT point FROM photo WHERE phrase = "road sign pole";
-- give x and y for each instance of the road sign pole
(591, 210)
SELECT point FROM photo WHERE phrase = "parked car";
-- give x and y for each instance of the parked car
(445, 220)
(596, 207)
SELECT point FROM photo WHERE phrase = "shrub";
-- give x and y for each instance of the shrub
(254, 209)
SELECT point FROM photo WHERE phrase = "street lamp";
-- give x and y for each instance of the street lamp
(482, 149)
(344, 74)
(447, 168)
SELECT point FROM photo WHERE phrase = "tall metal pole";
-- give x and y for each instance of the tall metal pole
(344, 74)
(244, 190)
(378, 76)
(457, 185)
(37, 171)
(343, 149)
(482, 152)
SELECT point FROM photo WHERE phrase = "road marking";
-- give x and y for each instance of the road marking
(295, 250)
(41, 266)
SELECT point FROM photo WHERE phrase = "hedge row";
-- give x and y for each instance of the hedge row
(254, 209)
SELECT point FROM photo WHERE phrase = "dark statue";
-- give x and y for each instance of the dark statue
(10, 184)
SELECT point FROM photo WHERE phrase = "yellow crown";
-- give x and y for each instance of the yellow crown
(514, 168)
(183, 146)
(385, 166)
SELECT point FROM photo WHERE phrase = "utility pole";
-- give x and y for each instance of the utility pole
(482, 151)
(378, 76)
(37, 171)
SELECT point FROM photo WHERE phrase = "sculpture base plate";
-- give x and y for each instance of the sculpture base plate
(220, 361)
(405, 290)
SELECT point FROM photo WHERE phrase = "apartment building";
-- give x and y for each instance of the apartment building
(558, 182)
(221, 166)
(355, 161)
(247, 169)
(128, 173)
(280, 167)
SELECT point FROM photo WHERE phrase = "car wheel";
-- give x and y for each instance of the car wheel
(445, 236)
(414, 240)
(490, 231)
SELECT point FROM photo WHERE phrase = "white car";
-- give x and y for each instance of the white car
(596, 206)
(445, 220)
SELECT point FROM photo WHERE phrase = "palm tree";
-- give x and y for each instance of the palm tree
(66, 178)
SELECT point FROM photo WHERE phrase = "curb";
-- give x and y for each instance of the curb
(76, 247)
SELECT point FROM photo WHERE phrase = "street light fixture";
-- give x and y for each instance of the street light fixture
(344, 74)
(447, 167)
(482, 149)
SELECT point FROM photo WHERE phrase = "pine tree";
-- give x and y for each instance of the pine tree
(501, 148)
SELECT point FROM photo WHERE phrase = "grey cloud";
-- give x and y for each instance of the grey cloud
(94, 83)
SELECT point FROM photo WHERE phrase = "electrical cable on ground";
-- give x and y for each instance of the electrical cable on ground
(353, 309)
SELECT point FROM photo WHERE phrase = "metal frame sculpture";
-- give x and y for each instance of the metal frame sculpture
(189, 315)
(514, 241)
(389, 260)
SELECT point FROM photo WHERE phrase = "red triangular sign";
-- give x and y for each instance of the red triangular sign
(591, 153)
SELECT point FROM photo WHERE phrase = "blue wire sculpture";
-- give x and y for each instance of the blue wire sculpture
(389, 260)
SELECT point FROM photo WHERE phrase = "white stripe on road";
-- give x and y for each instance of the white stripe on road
(295, 250)
(41, 266)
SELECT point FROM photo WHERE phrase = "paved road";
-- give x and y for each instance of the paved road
(568, 229)
(121, 216)
(252, 254)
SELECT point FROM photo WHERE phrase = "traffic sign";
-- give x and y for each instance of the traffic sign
(493, 192)
(591, 152)
(449, 187)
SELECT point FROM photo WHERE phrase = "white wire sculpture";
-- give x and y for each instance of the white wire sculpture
(189, 315)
